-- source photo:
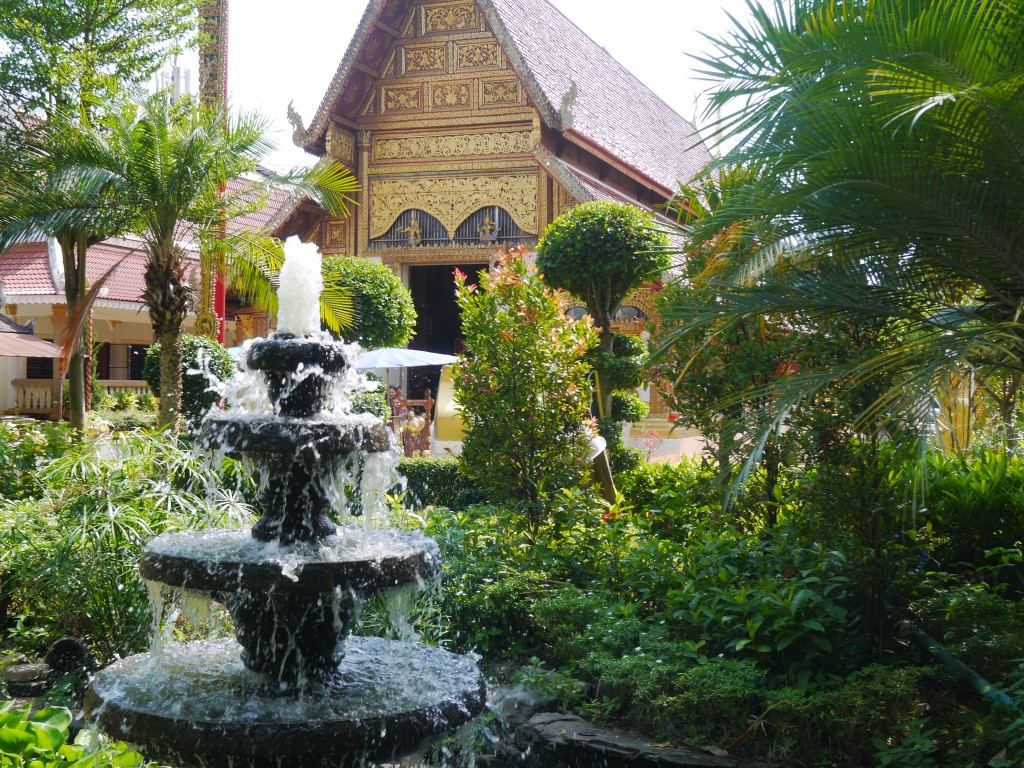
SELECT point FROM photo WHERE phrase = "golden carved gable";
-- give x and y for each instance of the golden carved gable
(446, 61)
(451, 199)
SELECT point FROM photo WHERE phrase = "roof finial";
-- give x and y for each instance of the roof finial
(299, 134)
(567, 103)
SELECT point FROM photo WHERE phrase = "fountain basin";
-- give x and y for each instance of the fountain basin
(199, 699)
(291, 603)
(274, 435)
(353, 559)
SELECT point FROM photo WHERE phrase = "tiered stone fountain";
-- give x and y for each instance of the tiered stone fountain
(292, 691)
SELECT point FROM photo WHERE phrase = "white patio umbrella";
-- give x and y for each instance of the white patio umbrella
(396, 357)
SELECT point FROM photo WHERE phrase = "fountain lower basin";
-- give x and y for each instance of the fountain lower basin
(198, 705)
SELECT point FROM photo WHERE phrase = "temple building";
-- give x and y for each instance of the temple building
(473, 125)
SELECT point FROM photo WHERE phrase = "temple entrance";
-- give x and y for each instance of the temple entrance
(438, 325)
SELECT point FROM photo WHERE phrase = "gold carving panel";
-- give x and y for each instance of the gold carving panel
(449, 18)
(425, 58)
(337, 233)
(451, 199)
(500, 93)
(341, 144)
(452, 94)
(480, 54)
(458, 145)
(401, 98)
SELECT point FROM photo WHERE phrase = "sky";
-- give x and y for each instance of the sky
(280, 52)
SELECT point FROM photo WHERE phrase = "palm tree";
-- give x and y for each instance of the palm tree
(159, 167)
(884, 141)
(41, 196)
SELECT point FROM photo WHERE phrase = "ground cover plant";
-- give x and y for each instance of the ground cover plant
(687, 623)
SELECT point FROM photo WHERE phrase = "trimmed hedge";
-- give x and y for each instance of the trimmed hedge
(436, 481)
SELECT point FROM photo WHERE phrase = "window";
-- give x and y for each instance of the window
(39, 368)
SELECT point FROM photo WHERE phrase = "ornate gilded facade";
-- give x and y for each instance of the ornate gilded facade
(462, 140)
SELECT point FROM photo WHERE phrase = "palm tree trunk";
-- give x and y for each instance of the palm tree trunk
(76, 391)
(73, 249)
(166, 296)
(170, 378)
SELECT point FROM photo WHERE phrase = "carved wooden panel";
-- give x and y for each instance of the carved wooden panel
(439, 17)
(500, 93)
(452, 94)
(478, 54)
(401, 98)
(453, 146)
(425, 58)
(341, 144)
(337, 232)
(451, 199)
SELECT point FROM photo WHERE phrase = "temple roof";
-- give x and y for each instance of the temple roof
(579, 89)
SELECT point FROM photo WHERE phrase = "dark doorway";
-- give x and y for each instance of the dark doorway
(438, 326)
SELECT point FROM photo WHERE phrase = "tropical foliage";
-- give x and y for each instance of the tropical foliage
(881, 145)
(204, 365)
(157, 169)
(69, 552)
(71, 62)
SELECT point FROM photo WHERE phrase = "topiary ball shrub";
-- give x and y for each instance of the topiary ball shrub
(203, 361)
(385, 315)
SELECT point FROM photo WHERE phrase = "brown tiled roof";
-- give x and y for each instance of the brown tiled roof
(25, 271)
(610, 109)
(257, 220)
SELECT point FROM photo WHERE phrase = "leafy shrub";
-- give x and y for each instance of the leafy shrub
(128, 420)
(124, 400)
(385, 315)
(203, 363)
(981, 628)
(523, 384)
(372, 402)
(147, 402)
(70, 558)
(670, 497)
(25, 446)
(975, 502)
(628, 407)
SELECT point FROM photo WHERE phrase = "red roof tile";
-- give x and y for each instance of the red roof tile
(25, 270)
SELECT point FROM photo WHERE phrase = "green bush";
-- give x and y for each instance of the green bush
(974, 503)
(385, 315)
(203, 363)
(147, 402)
(523, 384)
(26, 445)
(372, 402)
(39, 739)
(124, 400)
(628, 407)
(121, 421)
